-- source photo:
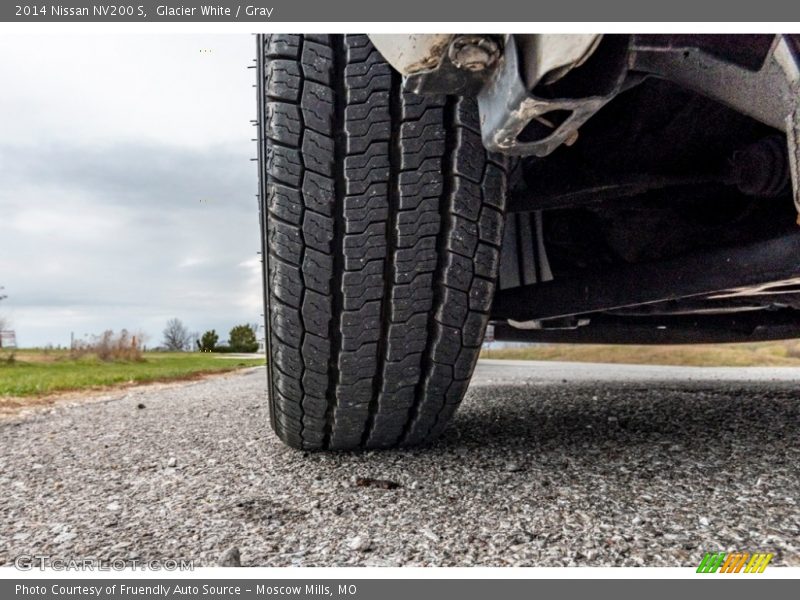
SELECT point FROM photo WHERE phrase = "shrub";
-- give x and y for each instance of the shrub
(242, 338)
(208, 342)
(109, 346)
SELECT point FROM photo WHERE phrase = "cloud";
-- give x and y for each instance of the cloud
(127, 194)
(127, 235)
(124, 174)
(102, 88)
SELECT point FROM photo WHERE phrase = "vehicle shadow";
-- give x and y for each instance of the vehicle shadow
(705, 420)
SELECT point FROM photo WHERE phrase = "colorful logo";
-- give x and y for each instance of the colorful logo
(734, 562)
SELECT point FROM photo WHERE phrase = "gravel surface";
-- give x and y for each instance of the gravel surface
(562, 465)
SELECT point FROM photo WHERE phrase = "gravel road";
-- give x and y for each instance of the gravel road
(546, 464)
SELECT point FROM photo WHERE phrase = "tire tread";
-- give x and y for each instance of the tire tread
(380, 205)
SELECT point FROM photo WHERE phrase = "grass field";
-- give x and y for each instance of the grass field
(37, 373)
(768, 354)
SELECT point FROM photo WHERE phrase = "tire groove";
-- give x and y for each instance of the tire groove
(338, 44)
(395, 152)
(438, 280)
(302, 257)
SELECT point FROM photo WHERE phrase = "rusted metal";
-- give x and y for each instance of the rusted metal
(412, 53)
(523, 116)
(473, 52)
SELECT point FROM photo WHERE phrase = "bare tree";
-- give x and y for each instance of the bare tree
(176, 336)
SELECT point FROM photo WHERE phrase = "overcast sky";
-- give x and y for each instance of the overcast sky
(127, 196)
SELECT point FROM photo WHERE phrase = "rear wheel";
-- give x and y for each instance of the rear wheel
(383, 227)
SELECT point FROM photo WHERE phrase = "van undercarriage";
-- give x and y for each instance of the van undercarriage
(417, 189)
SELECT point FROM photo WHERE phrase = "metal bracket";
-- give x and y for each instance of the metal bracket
(508, 108)
(425, 63)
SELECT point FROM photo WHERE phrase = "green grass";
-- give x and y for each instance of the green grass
(766, 354)
(37, 373)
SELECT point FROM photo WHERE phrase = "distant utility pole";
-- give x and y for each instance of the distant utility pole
(11, 341)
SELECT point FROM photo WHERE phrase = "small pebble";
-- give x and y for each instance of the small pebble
(230, 558)
(359, 544)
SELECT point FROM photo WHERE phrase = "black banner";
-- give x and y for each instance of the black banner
(393, 589)
(363, 11)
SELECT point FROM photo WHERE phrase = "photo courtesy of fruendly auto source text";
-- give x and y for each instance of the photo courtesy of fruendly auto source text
(384, 300)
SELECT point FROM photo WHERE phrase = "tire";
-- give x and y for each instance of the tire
(384, 220)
